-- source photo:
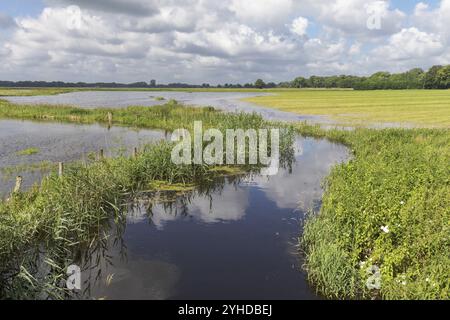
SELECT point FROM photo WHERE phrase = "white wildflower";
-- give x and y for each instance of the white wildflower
(385, 229)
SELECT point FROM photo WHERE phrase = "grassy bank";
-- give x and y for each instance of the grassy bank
(413, 107)
(169, 116)
(33, 91)
(388, 207)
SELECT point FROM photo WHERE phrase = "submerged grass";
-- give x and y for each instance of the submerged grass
(27, 152)
(388, 207)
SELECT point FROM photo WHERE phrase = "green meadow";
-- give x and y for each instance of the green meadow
(421, 108)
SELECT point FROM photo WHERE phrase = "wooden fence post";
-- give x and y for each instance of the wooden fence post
(60, 169)
(101, 154)
(18, 185)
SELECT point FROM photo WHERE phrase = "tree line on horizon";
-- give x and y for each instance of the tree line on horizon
(437, 77)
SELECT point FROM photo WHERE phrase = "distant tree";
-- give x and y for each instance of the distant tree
(443, 77)
(153, 83)
(260, 84)
(300, 82)
(431, 80)
(285, 84)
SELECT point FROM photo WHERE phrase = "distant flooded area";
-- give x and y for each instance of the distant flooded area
(227, 101)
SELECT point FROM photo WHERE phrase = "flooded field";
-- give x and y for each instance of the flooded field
(227, 101)
(237, 240)
(54, 142)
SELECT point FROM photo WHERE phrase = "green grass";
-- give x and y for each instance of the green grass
(27, 152)
(399, 178)
(28, 167)
(424, 108)
(169, 116)
(34, 91)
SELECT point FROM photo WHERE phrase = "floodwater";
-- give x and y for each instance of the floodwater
(227, 101)
(236, 241)
(59, 143)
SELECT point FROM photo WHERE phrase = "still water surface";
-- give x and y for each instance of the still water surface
(238, 241)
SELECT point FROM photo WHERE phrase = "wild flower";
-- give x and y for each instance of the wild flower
(385, 229)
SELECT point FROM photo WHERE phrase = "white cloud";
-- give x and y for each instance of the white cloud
(350, 17)
(411, 43)
(299, 26)
(433, 20)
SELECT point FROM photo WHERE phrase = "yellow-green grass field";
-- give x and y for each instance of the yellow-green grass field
(14, 92)
(422, 108)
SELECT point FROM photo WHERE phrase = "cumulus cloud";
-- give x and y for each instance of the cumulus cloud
(411, 43)
(433, 20)
(228, 41)
(299, 26)
(353, 17)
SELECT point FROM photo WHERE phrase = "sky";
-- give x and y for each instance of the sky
(227, 41)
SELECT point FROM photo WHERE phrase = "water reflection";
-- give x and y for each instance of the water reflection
(234, 240)
(302, 187)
